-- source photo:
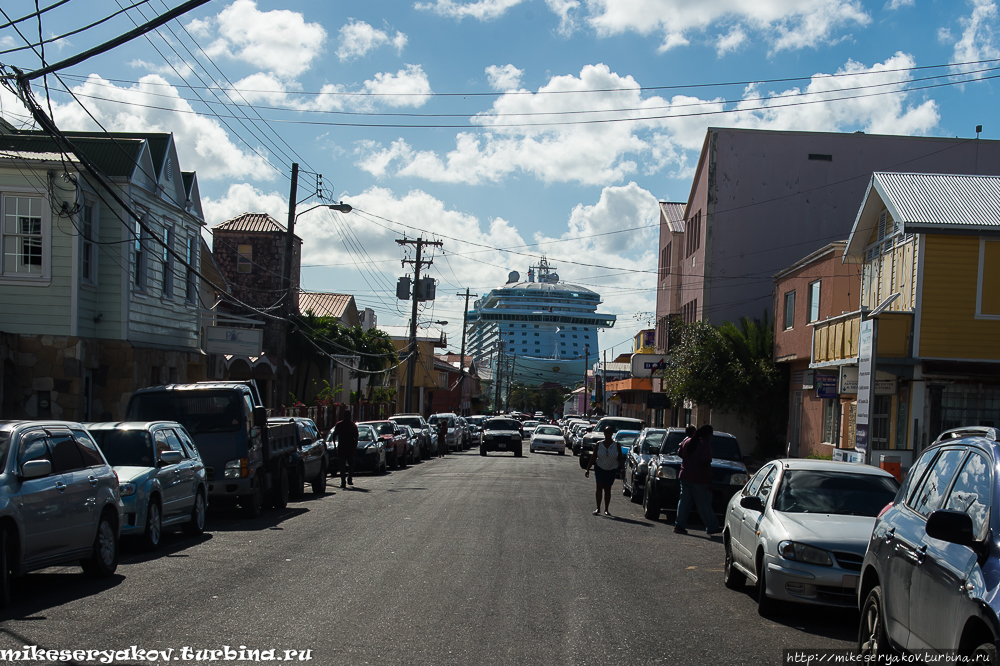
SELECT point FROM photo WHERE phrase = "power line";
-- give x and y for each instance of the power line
(42, 42)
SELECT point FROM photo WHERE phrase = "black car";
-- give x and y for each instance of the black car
(501, 435)
(311, 463)
(663, 488)
(370, 456)
(930, 580)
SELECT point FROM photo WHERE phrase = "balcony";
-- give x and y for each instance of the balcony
(835, 340)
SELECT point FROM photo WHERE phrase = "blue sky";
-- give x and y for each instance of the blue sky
(486, 74)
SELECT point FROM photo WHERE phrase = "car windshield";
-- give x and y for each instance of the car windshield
(366, 434)
(502, 424)
(476, 420)
(384, 428)
(443, 419)
(726, 448)
(653, 442)
(618, 424)
(199, 411)
(547, 430)
(838, 493)
(412, 421)
(125, 448)
(626, 438)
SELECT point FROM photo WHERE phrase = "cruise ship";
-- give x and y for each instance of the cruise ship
(545, 329)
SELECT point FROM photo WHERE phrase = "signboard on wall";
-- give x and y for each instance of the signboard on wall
(866, 352)
(826, 386)
(233, 341)
(885, 382)
(644, 365)
(657, 401)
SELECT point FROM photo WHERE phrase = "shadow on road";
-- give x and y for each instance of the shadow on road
(640, 523)
(834, 623)
(174, 544)
(49, 588)
(229, 519)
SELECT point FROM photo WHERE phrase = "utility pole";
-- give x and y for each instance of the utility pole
(497, 374)
(510, 381)
(586, 364)
(461, 364)
(282, 380)
(411, 361)
(604, 383)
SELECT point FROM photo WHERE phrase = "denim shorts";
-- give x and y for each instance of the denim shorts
(605, 477)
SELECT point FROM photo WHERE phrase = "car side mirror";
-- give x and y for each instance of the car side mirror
(753, 503)
(951, 526)
(35, 469)
(260, 417)
(171, 457)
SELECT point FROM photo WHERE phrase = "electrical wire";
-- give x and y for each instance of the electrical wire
(43, 42)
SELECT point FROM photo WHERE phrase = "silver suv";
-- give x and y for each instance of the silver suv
(59, 501)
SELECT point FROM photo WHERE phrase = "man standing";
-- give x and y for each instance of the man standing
(696, 481)
(442, 438)
(346, 434)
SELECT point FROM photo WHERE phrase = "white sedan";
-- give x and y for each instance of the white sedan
(547, 438)
(800, 528)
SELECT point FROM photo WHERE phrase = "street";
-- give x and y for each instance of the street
(463, 560)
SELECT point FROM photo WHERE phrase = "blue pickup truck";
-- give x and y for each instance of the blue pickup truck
(247, 459)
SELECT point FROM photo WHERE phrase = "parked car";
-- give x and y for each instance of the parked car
(412, 444)
(449, 421)
(423, 429)
(594, 436)
(465, 435)
(626, 438)
(312, 464)
(393, 439)
(162, 479)
(645, 447)
(370, 455)
(59, 501)
(662, 489)
(501, 434)
(928, 579)
(547, 438)
(475, 428)
(799, 529)
(529, 426)
(579, 430)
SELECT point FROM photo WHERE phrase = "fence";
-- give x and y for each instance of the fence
(326, 416)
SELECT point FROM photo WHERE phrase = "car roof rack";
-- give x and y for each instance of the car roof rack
(985, 432)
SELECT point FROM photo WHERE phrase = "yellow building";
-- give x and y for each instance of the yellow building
(426, 379)
(927, 248)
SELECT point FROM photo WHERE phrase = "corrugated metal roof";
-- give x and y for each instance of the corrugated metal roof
(925, 202)
(673, 213)
(254, 222)
(115, 159)
(324, 304)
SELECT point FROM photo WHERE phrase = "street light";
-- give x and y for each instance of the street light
(339, 207)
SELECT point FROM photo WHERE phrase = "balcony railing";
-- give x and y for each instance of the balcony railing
(836, 339)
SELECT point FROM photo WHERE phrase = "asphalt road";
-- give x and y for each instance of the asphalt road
(464, 560)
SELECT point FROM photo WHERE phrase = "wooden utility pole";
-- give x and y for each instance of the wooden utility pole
(282, 379)
(586, 363)
(497, 374)
(411, 361)
(461, 363)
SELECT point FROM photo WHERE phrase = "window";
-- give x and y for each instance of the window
(244, 260)
(191, 257)
(831, 420)
(971, 492)
(665, 256)
(168, 262)
(789, 310)
(767, 485)
(692, 234)
(139, 258)
(65, 454)
(757, 480)
(813, 305)
(931, 493)
(988, 292)
(22, 236)
(574, 336)
(536, 335)
(689, 311)
(87, 268)
(879, 420)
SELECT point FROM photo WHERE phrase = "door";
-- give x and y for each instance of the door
(169, 476)
(939, 580)
(40, 500)
(743, 550)
(186, 477)
(79, 498)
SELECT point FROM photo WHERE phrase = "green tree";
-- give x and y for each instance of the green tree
(731, 368)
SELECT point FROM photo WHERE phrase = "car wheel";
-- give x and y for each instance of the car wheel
(279, 498)
(104, 560)
(871, 634)
(765, 604)
(253, 502)
(650, 507)
(319, 483)
(985, 654)
(297, 483)
(482, 451)
(626, 491)
(562, 452)
(518, 451)
(196, 526)
(152, 536)
(732, 577)
(383, 468)
(6, 569)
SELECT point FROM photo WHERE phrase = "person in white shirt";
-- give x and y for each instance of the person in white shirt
(608, 459)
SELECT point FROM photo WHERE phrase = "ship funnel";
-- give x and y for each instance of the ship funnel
(513, 276)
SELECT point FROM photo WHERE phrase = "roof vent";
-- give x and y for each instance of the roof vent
(513, 276)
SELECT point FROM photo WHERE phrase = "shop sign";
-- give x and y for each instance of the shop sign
(826, 386)
(885, 382)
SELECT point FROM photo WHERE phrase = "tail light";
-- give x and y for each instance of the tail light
(884, 509)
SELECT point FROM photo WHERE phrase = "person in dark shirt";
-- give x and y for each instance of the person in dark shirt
(346, 434)
(442, 438)
(696, 481)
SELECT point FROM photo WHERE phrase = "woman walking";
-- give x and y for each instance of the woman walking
(608, 459)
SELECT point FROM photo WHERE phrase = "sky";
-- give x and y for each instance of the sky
(506, 129)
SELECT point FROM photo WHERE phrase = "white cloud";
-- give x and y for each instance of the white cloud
(619, 208)
(484, 10)
(660, 134)
(979, 36)
(507, 77)
(270, 90)
(244, 198)
(564, 10)
(358, 38)
(407, 87)
(278, 41)
(896, 4)
(203, 145)
(730, 41)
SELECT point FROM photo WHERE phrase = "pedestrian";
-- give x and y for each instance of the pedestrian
(608, 459)
(696, 481)
(346, 434)
(442, 438)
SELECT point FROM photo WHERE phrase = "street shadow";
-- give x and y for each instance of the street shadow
(37, 592)
(640, 523)
(230, 519)
(355, 489)
(173, 545)
(828, 622)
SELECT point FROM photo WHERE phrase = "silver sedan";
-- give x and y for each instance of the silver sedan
(547, 438)
(800, 528)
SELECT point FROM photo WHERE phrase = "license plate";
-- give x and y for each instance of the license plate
(850, 582)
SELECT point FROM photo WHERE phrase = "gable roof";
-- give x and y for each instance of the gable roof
(928, 203)
(341, 306)
(673, 214)
(253, 223)
(116, 159)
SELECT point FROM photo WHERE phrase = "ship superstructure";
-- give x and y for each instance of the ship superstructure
(547, 330)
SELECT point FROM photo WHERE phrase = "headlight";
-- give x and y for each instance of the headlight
(126, 489)
(236, 469)
(738, 480)
(643, 466)
(800, 552)
(666, 472)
